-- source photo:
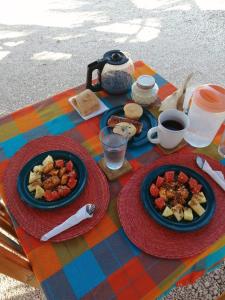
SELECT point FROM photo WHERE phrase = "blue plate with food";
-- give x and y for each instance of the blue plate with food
(52, 179)
(178, 198)
(136, 119)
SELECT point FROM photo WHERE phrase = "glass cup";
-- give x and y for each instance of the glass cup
(114, 146)
(221, 148)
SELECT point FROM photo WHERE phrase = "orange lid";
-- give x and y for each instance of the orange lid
(210, 97)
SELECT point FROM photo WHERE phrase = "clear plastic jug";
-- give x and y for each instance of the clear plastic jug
(206, 114)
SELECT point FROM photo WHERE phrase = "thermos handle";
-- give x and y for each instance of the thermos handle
(96, 65)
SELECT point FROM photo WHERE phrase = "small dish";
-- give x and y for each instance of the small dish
(147, 119)
(101, 110)
(23, 178)
(182, 226)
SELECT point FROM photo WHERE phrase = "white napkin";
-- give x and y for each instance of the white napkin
(79, 216)
(216, 175)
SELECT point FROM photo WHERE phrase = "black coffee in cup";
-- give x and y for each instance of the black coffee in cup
(172, 125)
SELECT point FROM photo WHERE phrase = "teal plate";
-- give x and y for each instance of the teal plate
(172, 223)
(23, 179)
(147, 119)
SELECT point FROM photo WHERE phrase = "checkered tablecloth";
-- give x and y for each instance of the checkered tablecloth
(102, 264)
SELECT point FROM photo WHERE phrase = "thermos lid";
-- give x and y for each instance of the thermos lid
(145, 82)
(210, 97)
(115, 57)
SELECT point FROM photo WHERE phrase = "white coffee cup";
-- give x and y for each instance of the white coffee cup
(169, 135)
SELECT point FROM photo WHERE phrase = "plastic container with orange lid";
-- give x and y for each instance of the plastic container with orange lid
(206, 114)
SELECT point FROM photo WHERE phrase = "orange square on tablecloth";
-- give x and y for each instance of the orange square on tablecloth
(118, 281)
(166, 90)
(50, 263)
(142, 69)
(93, 145)
(29, 243)
(62, 100)
(89, 128)
(28, 121)
(100, 232)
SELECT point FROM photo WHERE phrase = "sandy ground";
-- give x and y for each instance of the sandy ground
(45, 47)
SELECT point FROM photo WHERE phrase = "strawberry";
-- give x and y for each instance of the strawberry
(69, 166)
(182, 177)
(154, 191)
(160, 203)
(169, 176)
(72, 182)
(159, 181)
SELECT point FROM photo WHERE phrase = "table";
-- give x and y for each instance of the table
(103, 263)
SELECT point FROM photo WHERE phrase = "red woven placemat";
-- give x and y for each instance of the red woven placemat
(155, 239)
(37, 222)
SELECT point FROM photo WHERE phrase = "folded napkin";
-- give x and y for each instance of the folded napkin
(79, 216)
(216, 175)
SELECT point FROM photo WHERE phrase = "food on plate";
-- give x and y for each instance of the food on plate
(125, 129)
(188, 215)
(167, 212)
(196, 206)
(114, 120)
(133, 111)
(200, 197)
(86, 102)
(178, 212)
(177, 195)
(53, 179)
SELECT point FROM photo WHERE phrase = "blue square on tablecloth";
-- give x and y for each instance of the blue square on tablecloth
(55, 291)
(114, 252)
(122, 249)
(160, 80)
(36, 133)
(75, 118)
(84, 273)
(106, 258)
(12, 145)
(134, 152)
(59, 125)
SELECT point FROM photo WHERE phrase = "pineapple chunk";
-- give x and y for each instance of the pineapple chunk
(200, 197)
(188, 215)
(38, 169)
(39, 192)
(167, 212)
(48, 160)
(34, 176)
(178, 212)
(196, 206)
(32, 187)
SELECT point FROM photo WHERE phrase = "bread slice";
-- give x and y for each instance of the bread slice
(167, 212)
(200, 197)
(196, 206)
(178, 212)
(188, 215)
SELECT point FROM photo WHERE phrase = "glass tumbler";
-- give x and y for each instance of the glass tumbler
(114, 146)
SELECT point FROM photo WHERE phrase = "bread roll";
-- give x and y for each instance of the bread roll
(86, 102)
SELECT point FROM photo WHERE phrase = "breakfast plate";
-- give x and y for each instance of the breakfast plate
(29, 196)
(159, 211)
(147, 119)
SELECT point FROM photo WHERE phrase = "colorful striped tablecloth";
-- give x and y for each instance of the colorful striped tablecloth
(102, 264)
